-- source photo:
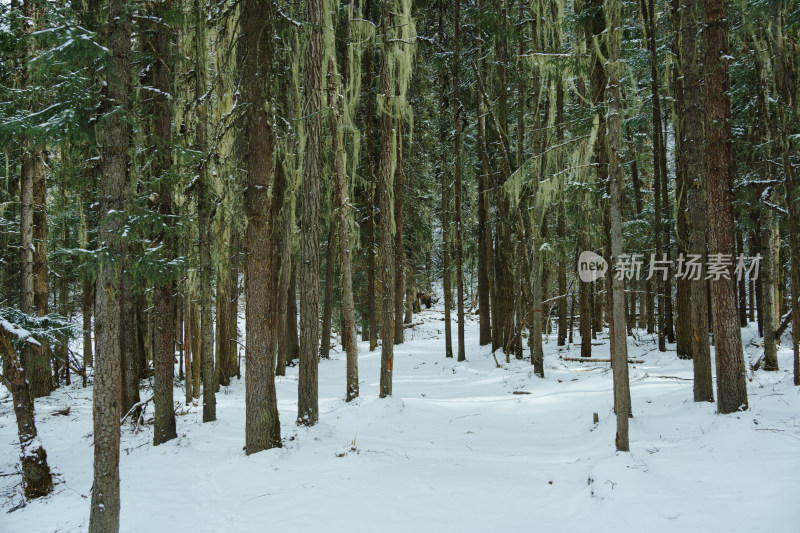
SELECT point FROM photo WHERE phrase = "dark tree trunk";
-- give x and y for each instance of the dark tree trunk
(349, 338)
(400, 255)
(105, 505)
(731, 380)
(385, 186)
(308, 380)
(691, 115)
(205, 213)
(619, 353)
(458, 119)
(444, 103)
(262, 426)
(163, 308)
(327, 304)
(484, 226)
(36, 477)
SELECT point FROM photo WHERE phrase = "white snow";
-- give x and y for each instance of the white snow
(453, 450)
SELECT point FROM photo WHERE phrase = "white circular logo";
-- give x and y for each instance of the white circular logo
(591, 267)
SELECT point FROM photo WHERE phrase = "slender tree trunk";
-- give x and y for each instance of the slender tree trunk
(385, 186)
(343, 210)
(484, 226)
(444, 102)
(660, 284)
(262, 426)
(770, 241)
(731, 380)
(691, 117)
(400, 255)
(308, 381)
(163, 308)
(458, 111)
(619, 353)
(188, 348)
(285, 339)
(327, 305)
(105, 504)
(372, 180)
(205, 210)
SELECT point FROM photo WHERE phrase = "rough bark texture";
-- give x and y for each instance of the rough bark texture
(385, 188)
(285, 297)
(308, 380)
(342, 202)
(731, 380)
(105, 505)
(458, 111)
(36, 477)
(205, 209)
(262, 427)
(484, 227)
(372, 180)
(400, 255)
(327, 305)
(163, 308)
(619, 352)
(444, 103)
(691, 117)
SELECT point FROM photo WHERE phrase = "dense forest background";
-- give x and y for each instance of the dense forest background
(327, 165)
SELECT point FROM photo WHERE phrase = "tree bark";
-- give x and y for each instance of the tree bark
(691, 116)
(308, 380)
(484, 226)
(458, 111)
(399, 250)
(163, 308)
(731, 380)
(36, 477)
(105, 504)
(327, 305)
(385, 188)
(262, 426)
(619, 353)
(343, 210)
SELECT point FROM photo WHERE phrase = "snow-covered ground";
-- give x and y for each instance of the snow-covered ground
(460, 447)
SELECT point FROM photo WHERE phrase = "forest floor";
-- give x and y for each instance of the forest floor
(459, 447)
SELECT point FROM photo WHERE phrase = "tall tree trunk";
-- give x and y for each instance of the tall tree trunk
(484, 226)
(105, 504)
(400, 255)
(308, 380)
(619, 353)
(262, 426)
(683, 324)
(343, 210)
(458, 112)
(163, 308)
(39, 372)
(444, 103)
(770, 242)
(372, 181)
(205, 213)
(691, 117)
(385, 188)
(784, 54)
(286, 297)
(188, 348)
(661, 286)
(731, 380)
